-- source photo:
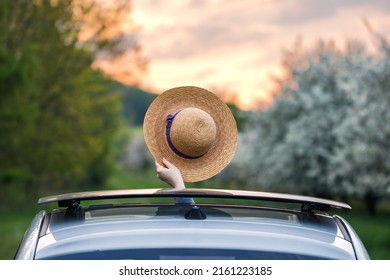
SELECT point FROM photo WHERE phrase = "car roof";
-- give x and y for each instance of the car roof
(169, 226)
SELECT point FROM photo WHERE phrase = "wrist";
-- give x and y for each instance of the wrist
(179, 185)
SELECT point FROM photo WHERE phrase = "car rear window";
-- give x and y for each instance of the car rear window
(183, 254)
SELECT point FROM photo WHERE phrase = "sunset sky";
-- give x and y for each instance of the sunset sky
(237, 45)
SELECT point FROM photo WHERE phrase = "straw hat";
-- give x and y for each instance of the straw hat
(193, 129)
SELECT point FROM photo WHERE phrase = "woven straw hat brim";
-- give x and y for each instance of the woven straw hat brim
(176, 99)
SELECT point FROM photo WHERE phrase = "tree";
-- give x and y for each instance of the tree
(360, 162)
(135, 103)
(58, 116)
(305, 140)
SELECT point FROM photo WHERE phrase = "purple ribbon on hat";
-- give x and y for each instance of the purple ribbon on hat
(170, 119)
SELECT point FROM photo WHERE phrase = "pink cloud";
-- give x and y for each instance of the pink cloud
(237, 44)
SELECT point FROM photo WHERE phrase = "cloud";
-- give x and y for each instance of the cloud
(200, 26)
(306, 11)
(183, 42)
(239, 43)
(191, 28)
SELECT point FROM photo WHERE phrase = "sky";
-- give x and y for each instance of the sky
(237, 45)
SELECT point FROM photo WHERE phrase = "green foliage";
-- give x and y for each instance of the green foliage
(241, 117)
(13, 227)
(135, 103)
(58, 117)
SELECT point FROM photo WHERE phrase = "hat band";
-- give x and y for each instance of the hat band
(170, 119)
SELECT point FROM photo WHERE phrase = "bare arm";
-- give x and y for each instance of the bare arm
(172, 176)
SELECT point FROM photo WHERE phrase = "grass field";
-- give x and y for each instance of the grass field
(374, 231)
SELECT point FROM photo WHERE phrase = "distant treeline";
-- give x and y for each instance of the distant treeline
(135, 103)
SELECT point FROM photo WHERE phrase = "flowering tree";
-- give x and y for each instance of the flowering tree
(361, 163)
(325, 133)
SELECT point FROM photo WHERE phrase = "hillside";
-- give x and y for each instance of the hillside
(135, 103)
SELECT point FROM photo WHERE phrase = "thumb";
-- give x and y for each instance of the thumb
(167, 163)
(159, 167)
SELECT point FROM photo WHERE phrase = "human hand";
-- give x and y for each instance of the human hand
(170, 174)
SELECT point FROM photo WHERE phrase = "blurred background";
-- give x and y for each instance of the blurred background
(307, 81)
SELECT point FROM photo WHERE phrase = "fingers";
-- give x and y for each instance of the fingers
(167, 163)
(160, 170)
(169, 174)
(158, 166)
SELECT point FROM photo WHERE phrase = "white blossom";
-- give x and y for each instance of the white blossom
(327, 132)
